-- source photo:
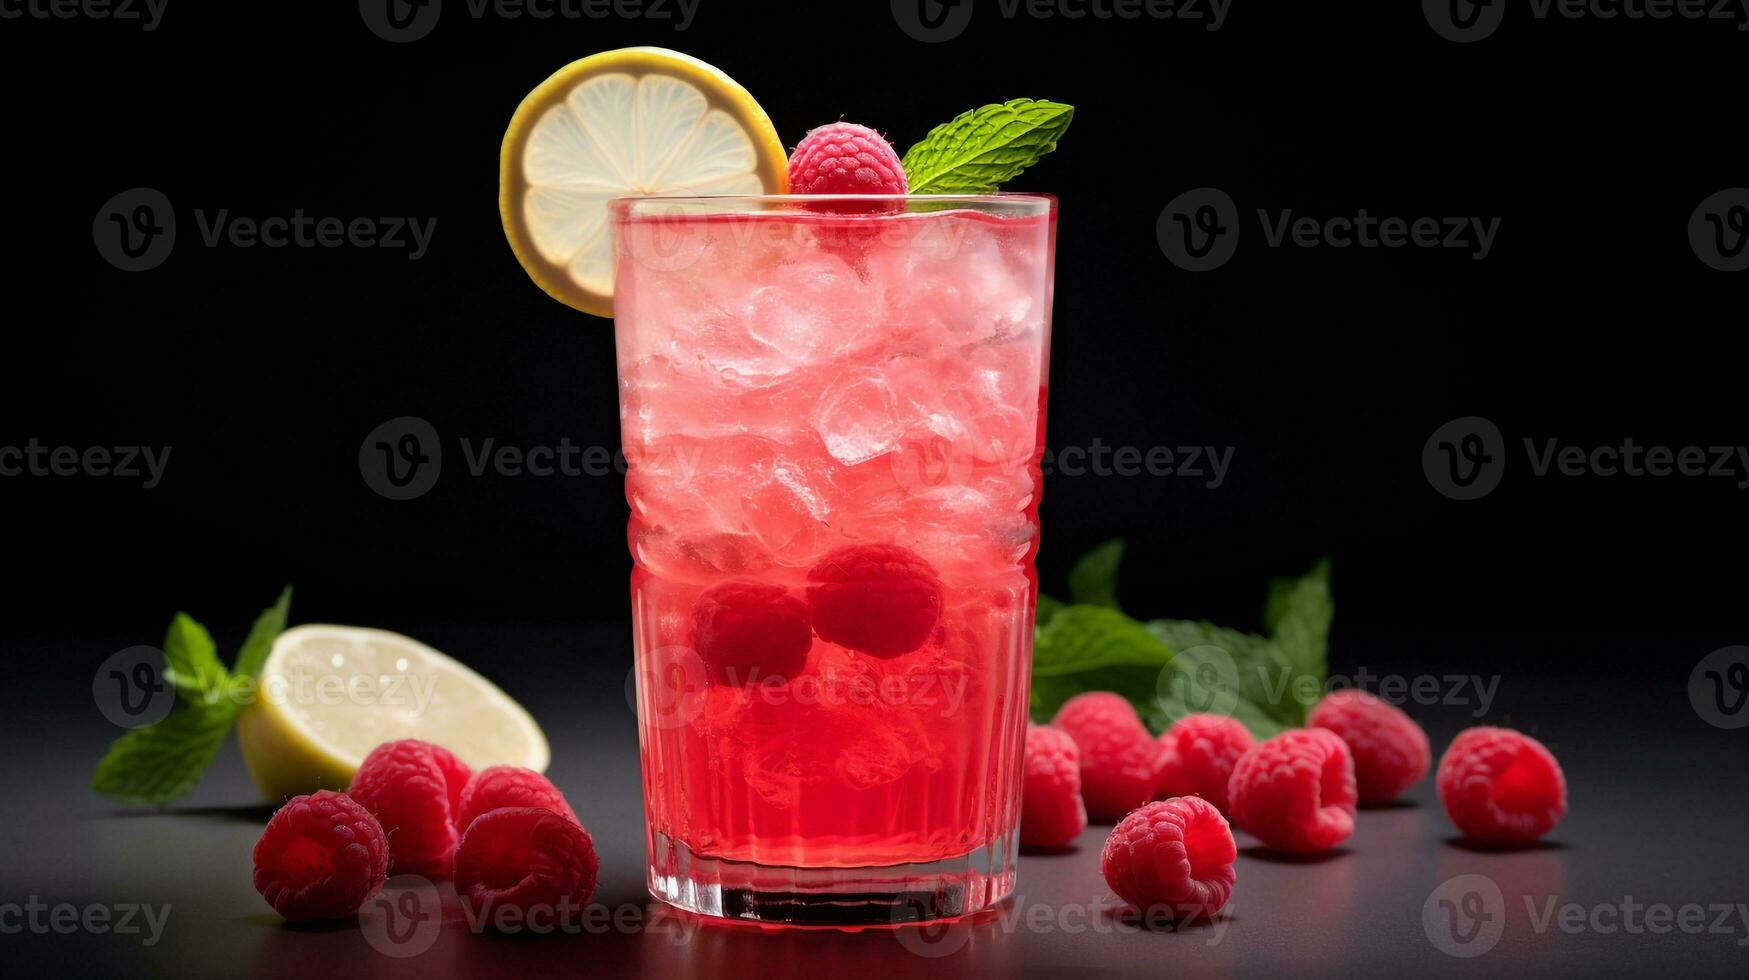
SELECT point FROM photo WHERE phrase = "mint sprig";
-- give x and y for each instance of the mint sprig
(1169, 668)
(162, 761)
(978, 150)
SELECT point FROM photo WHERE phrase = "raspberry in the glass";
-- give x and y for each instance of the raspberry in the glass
(880, 599)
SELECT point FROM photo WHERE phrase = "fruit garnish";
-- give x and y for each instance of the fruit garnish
(1390, 751)
(1175, 856)
(844, 158)
(297, 736)
(751, 633)
(1197, 756)
(1115, 751)
(1051, 812)
(413, 788)
(978, 150)
(1295, 792)
(524, 860)
(501, 786)
(320, 857)
(880, 599)
(629, 122)
(1499, 786)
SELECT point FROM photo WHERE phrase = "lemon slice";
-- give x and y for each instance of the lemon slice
(636, 121)
(327, 695)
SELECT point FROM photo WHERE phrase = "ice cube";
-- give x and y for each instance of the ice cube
(857, 417)
(788, 322)
(698, 559)
(787, 513)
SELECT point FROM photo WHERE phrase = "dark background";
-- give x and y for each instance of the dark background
(1326, 371)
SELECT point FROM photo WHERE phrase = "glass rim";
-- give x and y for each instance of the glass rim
(1013, 203)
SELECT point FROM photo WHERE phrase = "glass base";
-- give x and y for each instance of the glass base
(859, 896)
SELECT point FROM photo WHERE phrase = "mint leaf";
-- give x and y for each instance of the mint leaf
(1091, 648)
(1298, 616)
(1227, 672)
(160, 762)
(259, 642)
(1047, 609)
(193, 659)
(1093, 580)
(1080, 638)
(981, 148)
(1170, 667)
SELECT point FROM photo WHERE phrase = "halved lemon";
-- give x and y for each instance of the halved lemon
(327, 695)
(636, 121)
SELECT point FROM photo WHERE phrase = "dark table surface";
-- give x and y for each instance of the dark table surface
(1656, 819)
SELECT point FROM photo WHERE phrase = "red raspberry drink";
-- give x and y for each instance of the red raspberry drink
(832, 410)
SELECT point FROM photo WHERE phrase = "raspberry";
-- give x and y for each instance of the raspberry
(320, 857)
(413, 788)
(1501, 786)
(1390, 750)
(1295, 792)
(455, 775)
(749, 633)
(526, 858)
(844, 158)
(1051, 812)
(878, 599)
(1176, 854)
(1196, 758)
(502, 786)
(1117, 753)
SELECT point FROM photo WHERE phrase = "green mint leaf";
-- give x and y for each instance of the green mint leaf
(1080, 638)
(160, 762)
(1298, 615)
(1093, 579)
(1092, 648)
(1047, 608)
(1170, 668)
(193, 660)
(259, 642)
(1229, 672)
(982, 148)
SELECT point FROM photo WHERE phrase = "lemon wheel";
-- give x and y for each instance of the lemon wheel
(631, 122)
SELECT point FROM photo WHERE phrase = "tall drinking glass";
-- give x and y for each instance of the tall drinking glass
(833, 411)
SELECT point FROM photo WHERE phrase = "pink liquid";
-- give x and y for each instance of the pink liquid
(792, 383)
